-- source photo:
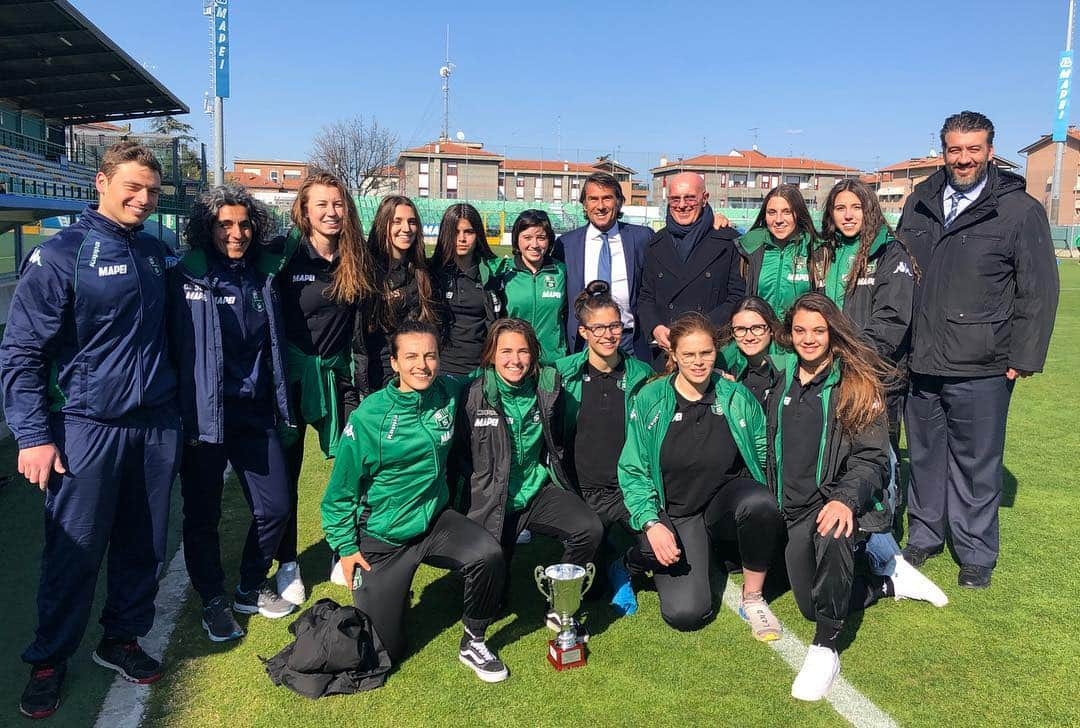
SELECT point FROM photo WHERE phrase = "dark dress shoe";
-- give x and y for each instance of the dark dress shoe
(974, 577)
(916, 556)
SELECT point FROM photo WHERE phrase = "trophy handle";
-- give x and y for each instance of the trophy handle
(540, 580)
(590, 574)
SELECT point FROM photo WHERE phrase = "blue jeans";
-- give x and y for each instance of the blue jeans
(880, 550)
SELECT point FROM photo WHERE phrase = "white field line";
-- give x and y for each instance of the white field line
(125, 703)
(852, 705)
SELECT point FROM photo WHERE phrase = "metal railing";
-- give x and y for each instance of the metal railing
(22, 142)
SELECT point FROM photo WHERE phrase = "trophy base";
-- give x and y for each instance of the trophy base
(564, 659)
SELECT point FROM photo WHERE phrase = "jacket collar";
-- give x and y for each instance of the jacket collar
(96, 221)
(412, 401)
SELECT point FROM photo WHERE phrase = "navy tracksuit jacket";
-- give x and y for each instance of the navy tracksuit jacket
(226, 336)
(84, 365)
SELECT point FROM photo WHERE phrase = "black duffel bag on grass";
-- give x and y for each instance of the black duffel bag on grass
(335, 652)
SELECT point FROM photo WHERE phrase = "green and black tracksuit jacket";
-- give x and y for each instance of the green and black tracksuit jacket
(640, 475)
(389, 477)
(540, 299)
(572, 370)
(506, 434)
(851, 468)
(880, 304)
(777, 274)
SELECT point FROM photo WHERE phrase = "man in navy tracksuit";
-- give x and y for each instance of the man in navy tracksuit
(226, 337)
(89, 393)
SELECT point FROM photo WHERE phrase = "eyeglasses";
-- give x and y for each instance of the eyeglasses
(740, 332)
(598, 329)
(689, 201)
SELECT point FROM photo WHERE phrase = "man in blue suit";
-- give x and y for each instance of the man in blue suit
(608, 250)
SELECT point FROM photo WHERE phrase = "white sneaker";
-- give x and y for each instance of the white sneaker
(820, 668)
(525, 536)
(289, 584)
(910, 583)
(337, 574)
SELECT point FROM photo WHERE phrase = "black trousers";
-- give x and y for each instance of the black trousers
(956, 442)
(453, 542)
(609, 507)
(743, 510)
(251, 445)
(821, 571)
(294, 459)
(558, 513)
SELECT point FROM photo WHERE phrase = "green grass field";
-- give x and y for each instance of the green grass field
(1003, 657)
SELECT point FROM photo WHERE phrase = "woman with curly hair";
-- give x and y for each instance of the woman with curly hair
(228, 345)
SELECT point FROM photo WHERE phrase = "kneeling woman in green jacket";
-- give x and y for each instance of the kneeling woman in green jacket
(828, 465)
(512, 449)
(692, 439)
(385, 508)
(599, 384)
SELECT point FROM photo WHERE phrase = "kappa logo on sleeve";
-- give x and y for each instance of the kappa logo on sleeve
(348, 432)
(904, 268)
(35, 257)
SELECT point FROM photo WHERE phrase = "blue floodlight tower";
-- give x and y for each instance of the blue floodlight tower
(218, 12)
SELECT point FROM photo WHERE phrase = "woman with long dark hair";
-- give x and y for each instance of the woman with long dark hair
(386, 508)
(468, 287)
(748, 349)
(512, 450)
(780, 250)
(692, 473)
(599, 384)
(829, 466)
(536, 283)
(870, 275)
(403, 290)
(227, 340)
(324, 285)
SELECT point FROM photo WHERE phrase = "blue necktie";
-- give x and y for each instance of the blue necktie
(603, 269)
(955, 198)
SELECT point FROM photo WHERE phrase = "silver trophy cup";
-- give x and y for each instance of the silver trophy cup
(564, 585)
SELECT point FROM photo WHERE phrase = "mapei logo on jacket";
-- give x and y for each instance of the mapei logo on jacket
(486, 418)
(303, 278)
(194, 293)
(120, 269)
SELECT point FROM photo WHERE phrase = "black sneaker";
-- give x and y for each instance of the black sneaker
(475, 653)
(219, 622)
(128, 659)
(41, 697)
(916, 556)
(974, 577)
(264, 601)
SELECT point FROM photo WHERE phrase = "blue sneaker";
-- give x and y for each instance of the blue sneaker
(623, 597)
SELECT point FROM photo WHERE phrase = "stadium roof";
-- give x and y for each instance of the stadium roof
(56, 62)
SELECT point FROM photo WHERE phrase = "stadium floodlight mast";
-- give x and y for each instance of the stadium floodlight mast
(1060, 134)
(444, 73)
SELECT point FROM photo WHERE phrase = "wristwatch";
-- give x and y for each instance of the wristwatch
(649, 524)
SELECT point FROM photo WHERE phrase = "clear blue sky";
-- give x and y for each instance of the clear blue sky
(859, 83)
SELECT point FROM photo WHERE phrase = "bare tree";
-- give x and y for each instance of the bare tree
(355, 150)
